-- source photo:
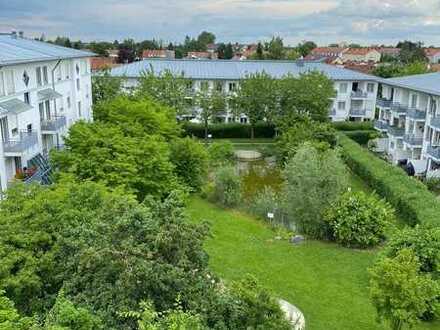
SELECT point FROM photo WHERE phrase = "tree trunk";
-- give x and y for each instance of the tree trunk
(206, 131)
(252, 131)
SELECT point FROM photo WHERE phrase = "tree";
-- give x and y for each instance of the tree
(99, 48)
(292, 55)
(411, 52)
(313, 181)
(102, 153)
(190, 160)
(306, 47)
(309, 95)
(127, 51)
(400, 70)
(205, 38)
(359, 220)
(10, 319)
(221, 49)
(211, 103)
(275, 49)
(227, 186)
(229, 52)
(255, 98)
(105, 87)
(400, 293)
(259, 54)
(167, 88)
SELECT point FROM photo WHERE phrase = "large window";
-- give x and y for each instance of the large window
(414, 99)
(232, 86)
(341, 105)
(343, 88)
(39, 76)
(45, 75)
(27, 98)
(370, 88)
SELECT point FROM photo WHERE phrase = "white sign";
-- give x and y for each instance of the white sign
(270, 215)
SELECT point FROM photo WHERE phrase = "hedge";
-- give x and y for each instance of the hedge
(229, 130)
(353, 126)
(361, 137)
(412, 200)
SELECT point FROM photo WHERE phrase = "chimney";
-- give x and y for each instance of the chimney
(21, 34)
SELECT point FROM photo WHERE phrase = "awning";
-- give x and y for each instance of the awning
(14, 106)
(48, 94)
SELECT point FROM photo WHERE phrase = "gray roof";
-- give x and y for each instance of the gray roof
(16, 50)
(428, 83)
(14, 106)
(48, 94)
(235, 70)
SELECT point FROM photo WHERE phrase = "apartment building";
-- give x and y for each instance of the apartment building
(355, 92)
(361, 55)
(44, 89)
(409, 114)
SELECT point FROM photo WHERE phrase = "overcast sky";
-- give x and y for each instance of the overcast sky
(325, 21)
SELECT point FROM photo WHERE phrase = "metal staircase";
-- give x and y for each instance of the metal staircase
(43, 174)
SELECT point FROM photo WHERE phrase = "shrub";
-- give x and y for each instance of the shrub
(433, 185)
(362, 137)
(191, 161)
(227, 186)
(314, 180)
(353, 126)
(412, 200)
(400, 293)
(268, 201)
(221, 153)
(359, 220)
(230, 130)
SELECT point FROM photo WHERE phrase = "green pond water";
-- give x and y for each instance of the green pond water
(258, 174)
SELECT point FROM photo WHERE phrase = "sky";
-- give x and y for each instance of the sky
(324, 21)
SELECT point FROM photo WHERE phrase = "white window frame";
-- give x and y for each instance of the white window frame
(370, 87)
(342, 108)
(343, 90)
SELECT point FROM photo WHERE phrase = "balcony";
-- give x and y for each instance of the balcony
(358, 112)
(435, 122)
(413, 140)
(384, 103)
(397, 132)
(53, 125)
(434, 152)
(20, 144)
(381, 126)
(358, 94)
(416, 114)
(333, 112)
(399, 108)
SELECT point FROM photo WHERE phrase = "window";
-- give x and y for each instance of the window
(39, 79)
(67, 70)
(433, 108)
(45, 75)
(69, 104)
(343, 88)
(243, 120)
(341, 105)
(414, 101)
(87, 91)
(10, 84)
(232, 87)
(59, 74)
(29, 127)
(41, 110)
(370, 88)
(79, 109)
(27, 98)
(2, 84)
(78, 84)
(204, 85)
(219, 86)
(189, 85)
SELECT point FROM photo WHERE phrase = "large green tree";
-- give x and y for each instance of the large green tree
(105, 87)
(255, 98)
(211, 103)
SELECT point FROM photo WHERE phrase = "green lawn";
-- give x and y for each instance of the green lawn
(327, 282)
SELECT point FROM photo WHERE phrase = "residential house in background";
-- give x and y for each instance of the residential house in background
(361, 55)
(409, 114)
(44, 89)
(433, 55)
(102, 63)
(202, 55)
(113, 53)
(355, 97)
(388, 51)
(327, 52)
(158, 53)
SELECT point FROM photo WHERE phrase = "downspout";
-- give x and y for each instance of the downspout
(55, 101)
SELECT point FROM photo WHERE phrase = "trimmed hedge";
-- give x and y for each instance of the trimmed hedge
(353, 126)
(229, 130)
(411, 199)
(361, 137)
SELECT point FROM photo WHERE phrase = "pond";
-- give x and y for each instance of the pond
(257, 174)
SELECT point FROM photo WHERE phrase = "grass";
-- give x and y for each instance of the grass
(327, 282)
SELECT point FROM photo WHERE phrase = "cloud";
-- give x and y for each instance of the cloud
(372, 21)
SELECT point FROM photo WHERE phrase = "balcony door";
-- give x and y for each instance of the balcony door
(4, 129)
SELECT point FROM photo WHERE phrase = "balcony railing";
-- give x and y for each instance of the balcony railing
(54, 124)
(381, 125)
(399, 108)
(359, 94)
(384, 103)
(435, 122)
(434, 152)
(358, 112)
(396, 131)
(24, 141)
(416, 114)
(413, 140)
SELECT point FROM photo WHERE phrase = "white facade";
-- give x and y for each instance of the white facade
(411, 119)
(39, 101)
